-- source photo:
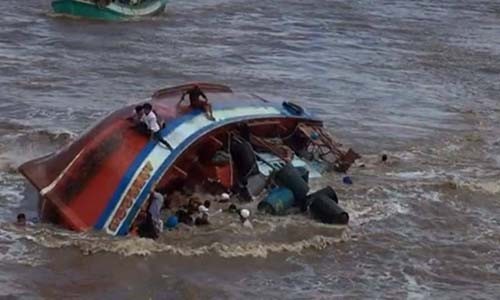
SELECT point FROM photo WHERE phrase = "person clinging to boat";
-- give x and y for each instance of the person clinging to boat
(137, 115)
(148, 223)
(137, 118)
(151, 120)
(195, 95)
(155, 205)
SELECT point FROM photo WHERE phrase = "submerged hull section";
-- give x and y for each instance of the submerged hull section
(103, 179)
(112, 11)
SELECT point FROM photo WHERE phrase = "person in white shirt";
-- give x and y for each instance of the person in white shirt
(150, 119)
(203, 210)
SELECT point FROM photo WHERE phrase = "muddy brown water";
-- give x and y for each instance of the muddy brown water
(417, 80)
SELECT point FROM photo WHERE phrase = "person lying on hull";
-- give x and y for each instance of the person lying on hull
(195, 93)
(151, 120)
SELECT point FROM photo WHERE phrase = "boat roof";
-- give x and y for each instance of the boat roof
(219, 96)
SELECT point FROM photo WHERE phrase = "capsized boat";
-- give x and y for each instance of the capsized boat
(102, 179)
(109, 9)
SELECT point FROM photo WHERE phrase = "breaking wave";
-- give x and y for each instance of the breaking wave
(452, 180)
(19, 143)
(13, 250)
(92, 243)
(145, 247)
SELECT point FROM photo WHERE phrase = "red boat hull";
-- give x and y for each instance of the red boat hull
(102, 179)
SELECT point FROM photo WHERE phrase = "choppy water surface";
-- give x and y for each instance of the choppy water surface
(415, 79)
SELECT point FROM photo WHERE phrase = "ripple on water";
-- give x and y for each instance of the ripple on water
(415, 79)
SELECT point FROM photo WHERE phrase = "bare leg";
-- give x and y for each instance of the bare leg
(208, 111)
(158, 136)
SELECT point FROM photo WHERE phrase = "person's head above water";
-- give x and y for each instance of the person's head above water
(147, 107)
(384, 157)
(232, 208)
(21, 219)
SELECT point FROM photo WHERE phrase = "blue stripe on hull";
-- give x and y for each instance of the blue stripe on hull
(122, 186)
(127, 178)
(143, 155)
(170, 159)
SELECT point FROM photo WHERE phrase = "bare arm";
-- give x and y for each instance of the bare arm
(182, 99)
(204, 97)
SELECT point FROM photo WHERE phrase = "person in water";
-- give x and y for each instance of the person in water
(184, 216)
(151, 120)
(147, 228)
(203, 210)
(156, 204)
(21, 220)
(148, 223)
(186, 213)
(195, 93)
(244, 218)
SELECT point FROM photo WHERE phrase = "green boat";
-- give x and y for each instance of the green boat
(109, 9)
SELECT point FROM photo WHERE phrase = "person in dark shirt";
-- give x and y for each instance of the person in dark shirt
(195, 95)
(147, 228)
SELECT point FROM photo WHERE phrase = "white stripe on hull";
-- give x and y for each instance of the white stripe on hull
(177, 136)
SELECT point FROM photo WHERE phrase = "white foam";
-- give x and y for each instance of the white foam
(146, 247)
(17, 251)
(416, 174)
(490, 187)
(10, 193)
(415, 291)
(227, 241)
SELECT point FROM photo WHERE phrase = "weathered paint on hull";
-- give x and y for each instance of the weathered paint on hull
(112, 12)
(102, 179)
